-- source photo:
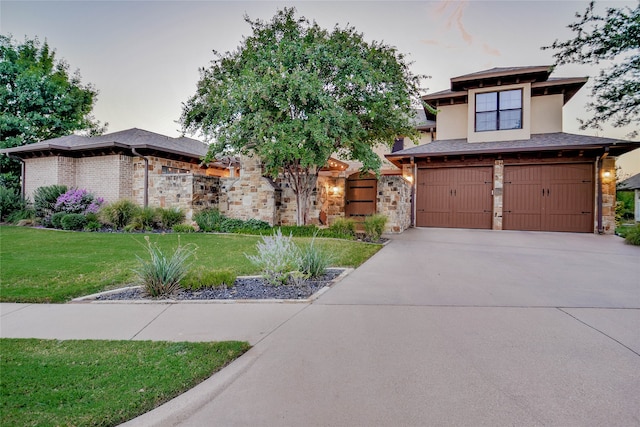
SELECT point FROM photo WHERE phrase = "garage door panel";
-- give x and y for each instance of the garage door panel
(455, 197)
(548, 197)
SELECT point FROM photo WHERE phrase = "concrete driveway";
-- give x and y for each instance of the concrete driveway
(448, 327)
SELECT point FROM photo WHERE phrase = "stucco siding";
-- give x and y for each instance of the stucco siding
(546, 114)
(451, 122)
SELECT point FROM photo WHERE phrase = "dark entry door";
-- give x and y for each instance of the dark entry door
(361, 195)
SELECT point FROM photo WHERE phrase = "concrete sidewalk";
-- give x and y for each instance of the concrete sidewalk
(441, 327)
(160, 322)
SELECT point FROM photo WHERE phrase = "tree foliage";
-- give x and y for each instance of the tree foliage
(294, 93)
(39, 99)
(613, 37)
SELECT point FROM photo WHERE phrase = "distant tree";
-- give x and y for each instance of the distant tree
(294, 93)
(39, 99)
(616, 90)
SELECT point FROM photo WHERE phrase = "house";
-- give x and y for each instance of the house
(156, 170)
(633, 184)
(146, 167)
(500, 160)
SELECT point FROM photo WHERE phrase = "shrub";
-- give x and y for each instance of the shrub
(161, 275)
(10, 202)
(78, 201)
(145, 218)
(278, 257)
(374, 227)
(23, 216)
(119, 214)
(344, 227)
(56, 219)
(170, 217)
(208, 220)
(256, 224)
(203, 278)
(230, 225)
(314, 261)
(633, 236)
(44, 201)
(73, 221)
(183, 228)
(93, 226)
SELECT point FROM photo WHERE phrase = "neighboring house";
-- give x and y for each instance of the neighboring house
(499, 159)
(633, 184)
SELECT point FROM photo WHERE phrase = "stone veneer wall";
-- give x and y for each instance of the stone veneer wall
(608, 195)
(250, 195)
(185, 191)
(394, 201)
(332, 202)
(155, 170)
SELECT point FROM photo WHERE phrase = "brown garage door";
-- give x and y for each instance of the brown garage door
(361, 195)
(454, 197)
(548, 197)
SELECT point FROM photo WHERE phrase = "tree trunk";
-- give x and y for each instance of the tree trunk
(302, 182)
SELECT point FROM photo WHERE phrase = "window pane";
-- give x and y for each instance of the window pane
(486, 121)
(510, 119)
(510, 99)
(486, 101)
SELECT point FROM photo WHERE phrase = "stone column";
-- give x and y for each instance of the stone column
(498, 181)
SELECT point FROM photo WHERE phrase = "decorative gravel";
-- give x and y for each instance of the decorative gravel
(243, 288)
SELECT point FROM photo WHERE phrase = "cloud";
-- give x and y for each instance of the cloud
(451, 14)
(490, 50)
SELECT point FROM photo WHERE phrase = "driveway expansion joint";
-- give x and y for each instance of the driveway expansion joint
(599, 331)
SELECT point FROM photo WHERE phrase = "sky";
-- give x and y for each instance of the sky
(144, 56)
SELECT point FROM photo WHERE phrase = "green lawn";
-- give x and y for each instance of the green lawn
(38, 265)
(101, 383)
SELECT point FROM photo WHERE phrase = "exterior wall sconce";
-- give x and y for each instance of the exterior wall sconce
(606, 174)
(334, 190)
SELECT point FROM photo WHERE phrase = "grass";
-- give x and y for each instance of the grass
(101, 383)
(38, 265)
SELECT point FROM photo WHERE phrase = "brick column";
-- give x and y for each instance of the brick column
(498, 181)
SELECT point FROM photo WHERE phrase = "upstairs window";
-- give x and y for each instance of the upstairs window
(499, 110)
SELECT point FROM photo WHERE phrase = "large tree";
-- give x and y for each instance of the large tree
(293, 94)
(614, 37)
(39, 99)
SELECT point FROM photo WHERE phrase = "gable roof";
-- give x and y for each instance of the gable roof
(138, 139)
(538, 142)
(631, 183)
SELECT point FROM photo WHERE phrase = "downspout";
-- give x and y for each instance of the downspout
(146, 176)
(413, 191)
(22, 172)
(599, 181)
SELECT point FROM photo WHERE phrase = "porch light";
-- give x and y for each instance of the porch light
(335, 190)
(606, 174)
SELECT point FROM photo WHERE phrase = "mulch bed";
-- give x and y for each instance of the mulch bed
(244, 288)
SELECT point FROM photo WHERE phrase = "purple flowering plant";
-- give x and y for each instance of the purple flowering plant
(79, 201)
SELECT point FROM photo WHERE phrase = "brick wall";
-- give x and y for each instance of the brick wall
(108, 177)
(40, 172)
